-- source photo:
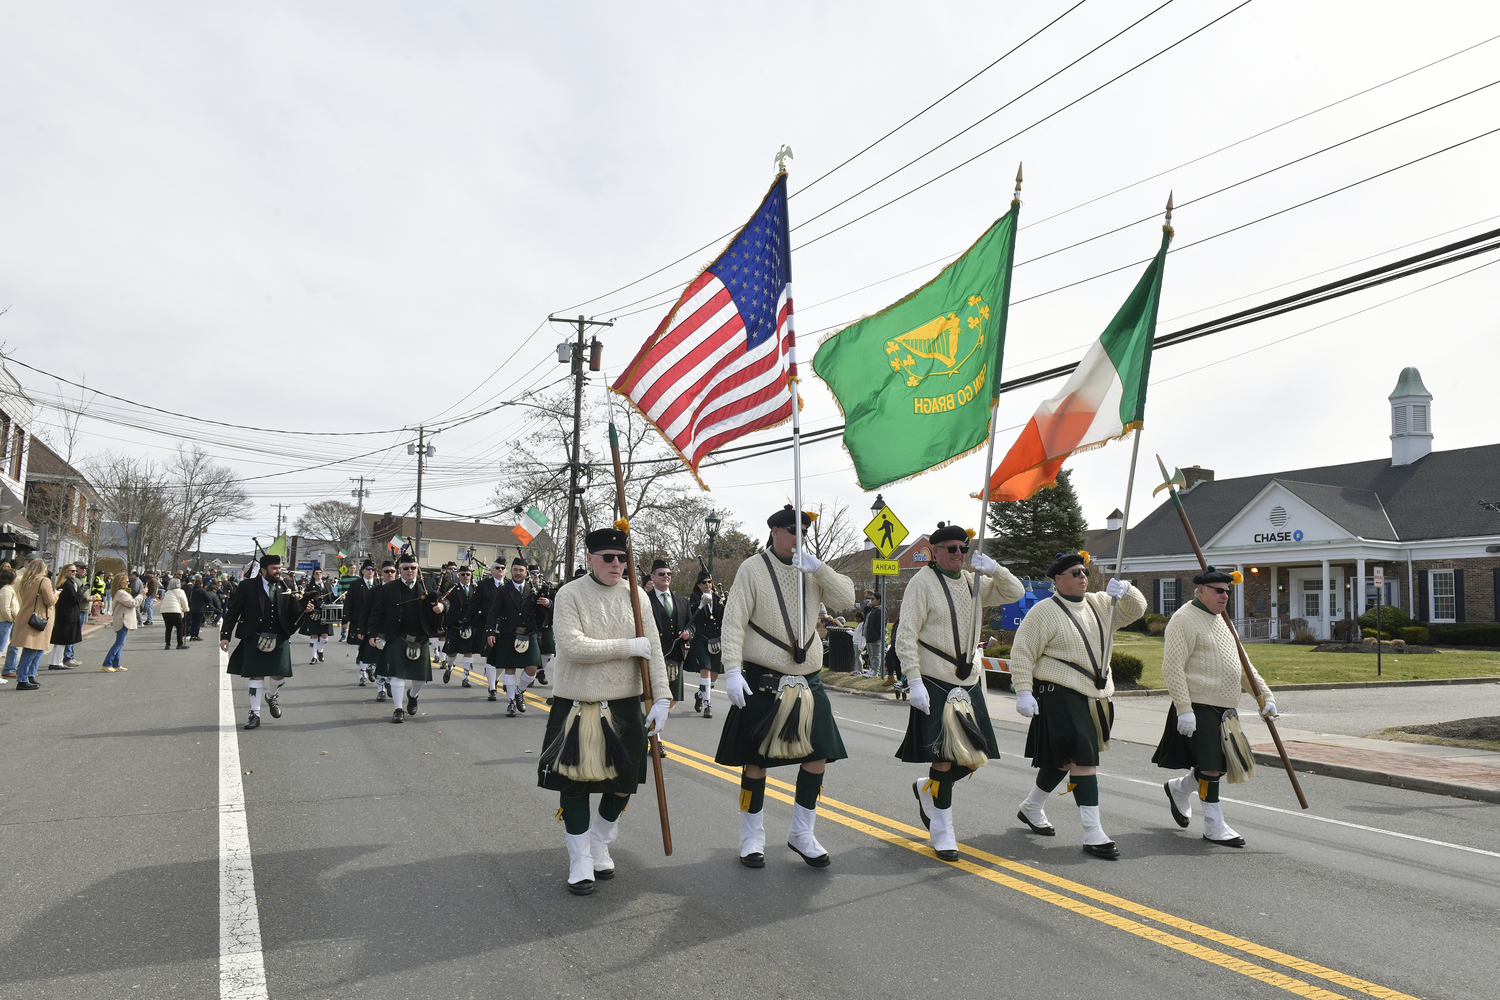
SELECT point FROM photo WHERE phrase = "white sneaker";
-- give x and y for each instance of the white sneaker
(753, 839)
(580, 863)
(800, 838)
(603, 833)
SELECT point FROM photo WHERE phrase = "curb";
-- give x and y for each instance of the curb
(1338, 686)
(886, 694)
(1382, 778)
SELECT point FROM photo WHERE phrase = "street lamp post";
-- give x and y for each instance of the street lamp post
(878, 665)
(711, 522)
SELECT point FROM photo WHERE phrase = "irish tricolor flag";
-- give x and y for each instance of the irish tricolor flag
(1104, 398)
(532, 523)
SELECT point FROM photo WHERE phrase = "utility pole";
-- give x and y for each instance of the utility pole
(574, 352)
(359, 518)
(278, 519)
(423, 451)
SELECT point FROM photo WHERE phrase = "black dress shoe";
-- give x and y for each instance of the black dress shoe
(254, 721)
(320, 656)
(916, 789)
(398, 716)
(273, 705)
(520, 703)
(411, 704)
(1045, 831)
(466, 682)
(379, 691)
(756, 860)
(1235, 841)
(1177, 815)
(584, 888)
(708, 711)
(821, 861)
(492, 695)
(946, 855)
(1108, 851)
(182, 645)
(58, 667)
(698, 701)
(510, 709)
(447, 673)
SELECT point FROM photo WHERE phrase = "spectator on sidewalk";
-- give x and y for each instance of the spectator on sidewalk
(150, 591)
(66, 628)
(122, 621)
(198, 604)
(174, 606)
(10, 606)
(36, 597)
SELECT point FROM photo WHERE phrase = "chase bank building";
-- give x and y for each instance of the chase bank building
(1309, 541)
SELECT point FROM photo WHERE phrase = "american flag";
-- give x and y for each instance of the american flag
(719, 366)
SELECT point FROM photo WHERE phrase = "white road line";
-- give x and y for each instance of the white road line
(1322, 819)
(242, 969)
(1257, 805)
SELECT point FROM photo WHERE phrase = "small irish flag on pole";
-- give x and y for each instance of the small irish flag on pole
(532, 523)
(1104, 399)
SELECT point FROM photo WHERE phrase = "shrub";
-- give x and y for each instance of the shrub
(1156, 628)
(1304, 636)
(1344, 630)
(1466, 634)
(1126, 668)
(1369, 633)
(1152, 618)
(1391, 619)
(998, 650)
(1414, 634)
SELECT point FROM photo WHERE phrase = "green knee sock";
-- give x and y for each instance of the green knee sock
(808, 787)
(1208, 788)
(752, 794)
(1048, 777)
(942, 795)
(573, 810)
(1086, 789)
(611, 806)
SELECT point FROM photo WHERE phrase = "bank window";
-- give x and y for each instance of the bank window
(1443, 606)
(1312, 599)
(1168, 596)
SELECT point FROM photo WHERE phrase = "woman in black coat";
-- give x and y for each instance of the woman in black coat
(198, 602)
(67, 629)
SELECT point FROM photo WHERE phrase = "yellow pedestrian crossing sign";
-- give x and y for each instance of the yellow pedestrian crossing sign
(886, 531)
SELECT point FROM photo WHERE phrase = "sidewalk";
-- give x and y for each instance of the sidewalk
(1445, 770)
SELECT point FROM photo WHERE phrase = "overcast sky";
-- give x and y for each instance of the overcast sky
(351, 217)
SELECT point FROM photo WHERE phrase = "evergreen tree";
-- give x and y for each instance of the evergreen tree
(1027, 534)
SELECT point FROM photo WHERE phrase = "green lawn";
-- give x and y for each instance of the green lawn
(1283, 664)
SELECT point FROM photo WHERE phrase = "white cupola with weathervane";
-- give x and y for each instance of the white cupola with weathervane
(1411, 419)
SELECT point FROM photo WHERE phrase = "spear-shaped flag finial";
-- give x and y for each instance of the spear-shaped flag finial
(1018, 180)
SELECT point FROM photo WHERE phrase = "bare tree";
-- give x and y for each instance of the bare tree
(331, 519)
(136, 493)
(204, 493)
(833, 533)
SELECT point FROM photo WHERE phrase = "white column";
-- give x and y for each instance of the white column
(1326, 606)
(1359, 601)
(1273, 606)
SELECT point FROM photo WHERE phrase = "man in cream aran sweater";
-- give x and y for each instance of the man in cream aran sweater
(1060, 670)
(934, 640)
(762, 649)
(598, 656)
(1201, 668)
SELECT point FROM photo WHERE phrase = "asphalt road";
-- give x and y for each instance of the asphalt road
(421, 860)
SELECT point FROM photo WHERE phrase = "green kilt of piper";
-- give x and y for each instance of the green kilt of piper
(674, 679)
(394, 661)
(312, 624)
(367, 653)
(456, 644)
(248, 661)
(630, 726)
(504, 656)
(701, 658)
(546, 643)
(1204, 749)
(924, 731)
(1066, 728)
(738, 743)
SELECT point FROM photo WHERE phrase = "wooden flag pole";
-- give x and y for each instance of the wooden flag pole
(989, 466)
(653, 742)
(1260, 695)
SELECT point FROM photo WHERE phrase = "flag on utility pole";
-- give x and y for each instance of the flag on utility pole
(1103, 400)
(914, 381)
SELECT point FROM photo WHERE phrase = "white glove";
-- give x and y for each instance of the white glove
(1026, 704)
(983, 564)
(1117, 588)
(640, 646)
(806, 561)
(656, 719)
(916, 693)
(1187, 723)
(735, 687)
(1269, 711)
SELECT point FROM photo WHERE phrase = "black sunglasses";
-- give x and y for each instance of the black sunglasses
(1220, 590)
(954, 549)
(611, 557)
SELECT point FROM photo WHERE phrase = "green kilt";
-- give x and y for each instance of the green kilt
(546, 642)
(1062, 731)
(700, 659)
(248, 661)
(1203, 749)
(453, 643)
(367, 653)
(503, 655)
(630, 725)
(311, 625)
(393, 662)
(737, 744)
(674, 680)
(924, 732)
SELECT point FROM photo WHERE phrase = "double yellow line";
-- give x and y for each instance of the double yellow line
(1003, 871)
